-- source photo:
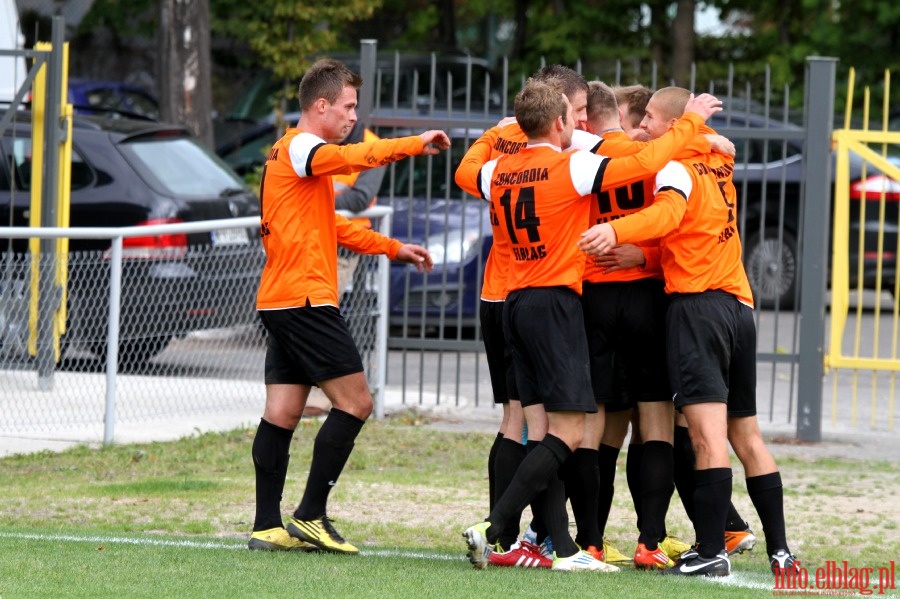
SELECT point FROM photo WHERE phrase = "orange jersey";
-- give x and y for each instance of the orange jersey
(619, 202)
(495, 142)
(540, 196)
(300, 230)
(610, 205)
(695, 216)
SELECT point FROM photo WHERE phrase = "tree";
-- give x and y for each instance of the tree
(286, 35)
(185, 87)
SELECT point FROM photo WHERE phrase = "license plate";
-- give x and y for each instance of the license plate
(230, 237)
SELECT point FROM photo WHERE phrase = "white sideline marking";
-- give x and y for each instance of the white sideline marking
(737, 579)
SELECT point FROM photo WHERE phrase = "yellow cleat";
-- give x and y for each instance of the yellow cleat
(276, 539)
(611, 555)
(322, 534)
(673, 547)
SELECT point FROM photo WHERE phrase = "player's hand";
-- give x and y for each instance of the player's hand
(721, 144)
(620, 258)
(434, 141)
(638, 135)
(417, 256)
(705, 105)
(598, 240)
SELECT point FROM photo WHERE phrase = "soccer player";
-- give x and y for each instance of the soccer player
(507, 452)
(308, 342)
(539, 195)
(711, 337)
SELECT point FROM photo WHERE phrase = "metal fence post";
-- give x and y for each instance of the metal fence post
(819, 103)
(367, 60)
(112, 342)
(49, 296)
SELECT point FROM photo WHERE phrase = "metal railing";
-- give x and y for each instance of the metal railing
(110, 294)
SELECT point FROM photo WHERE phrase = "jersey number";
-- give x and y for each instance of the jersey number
(625, 199)
(519, 214)
(725, 199)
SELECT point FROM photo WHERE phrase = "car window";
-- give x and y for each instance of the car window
(251, 152)
(137, 103)
(179, 166)
(103, 99)
(19, 151)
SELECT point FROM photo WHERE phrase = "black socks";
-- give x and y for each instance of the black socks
(767, 494)
(270, 461)
(331, 450)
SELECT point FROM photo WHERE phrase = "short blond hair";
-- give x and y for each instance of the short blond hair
(538, 104)
(601, 102)
(670, 101)
(635, 98)
(326, 78)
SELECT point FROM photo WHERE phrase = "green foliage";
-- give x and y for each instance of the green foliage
(286, 34)
(123, 18)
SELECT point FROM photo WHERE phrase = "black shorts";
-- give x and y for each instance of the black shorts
(712, 351)
(503, 380)
(626, 325)
(308, 345)
(544, 328)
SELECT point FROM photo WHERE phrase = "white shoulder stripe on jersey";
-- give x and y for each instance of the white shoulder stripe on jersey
(674, 175)
(484, 179)
(583, 168)
(301, 150)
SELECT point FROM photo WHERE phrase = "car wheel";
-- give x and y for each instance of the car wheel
(772, 268)
(135, 352)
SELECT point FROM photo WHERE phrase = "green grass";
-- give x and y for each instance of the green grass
(172, 519)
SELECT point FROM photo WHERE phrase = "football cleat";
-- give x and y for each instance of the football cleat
(322, 534)
(521, 555)
(581, 562)
(597, 554)
(276, 539)
(611, 555)
(650, 559)
(739, 541)
(547, 548)
(696, 565)
(479, 553)
(782, 562)
(673, 547)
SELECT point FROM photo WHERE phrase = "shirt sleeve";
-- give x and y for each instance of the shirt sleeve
(653, 157)
(467, 174)
(582, 140)
(363, 240)
(312, 157)
(673, 188)
(484, 180)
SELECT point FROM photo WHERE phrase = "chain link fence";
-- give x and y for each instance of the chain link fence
(188, 336)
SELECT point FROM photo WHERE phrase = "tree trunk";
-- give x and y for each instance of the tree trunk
(683, 37)
(521, 28)
(446, 24)
(185, 70)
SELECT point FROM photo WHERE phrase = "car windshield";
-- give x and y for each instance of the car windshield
(179, 166)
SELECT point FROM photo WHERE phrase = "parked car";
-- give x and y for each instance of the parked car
(130, 173)
(404, 82)
(771, 230)
(89, 96)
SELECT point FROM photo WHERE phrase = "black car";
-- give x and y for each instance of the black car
(131, 173)
(769, 176)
